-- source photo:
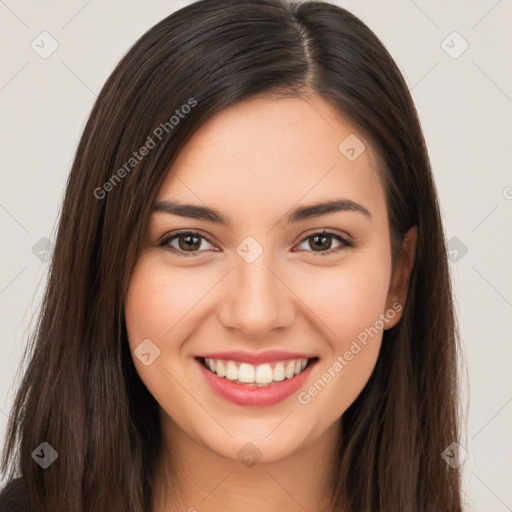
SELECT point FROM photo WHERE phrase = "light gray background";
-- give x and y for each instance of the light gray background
(465, 106)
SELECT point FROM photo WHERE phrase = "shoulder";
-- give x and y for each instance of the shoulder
(14, 497)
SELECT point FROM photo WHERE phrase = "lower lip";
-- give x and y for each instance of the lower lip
(242, 394)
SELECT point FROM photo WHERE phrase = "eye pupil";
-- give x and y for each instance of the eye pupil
(321, 237)
(189, 244)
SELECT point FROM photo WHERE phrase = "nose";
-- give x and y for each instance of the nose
(257, 301)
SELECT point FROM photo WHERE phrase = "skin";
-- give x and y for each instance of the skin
(254, 162)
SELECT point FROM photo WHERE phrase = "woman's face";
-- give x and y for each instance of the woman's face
(266, 290)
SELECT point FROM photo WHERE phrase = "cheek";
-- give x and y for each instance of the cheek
(362, 299)
(160, 302)
(146, 304)
(346, 299)
(153, 312)
(351, 308)
(160, 307)
(348, 302)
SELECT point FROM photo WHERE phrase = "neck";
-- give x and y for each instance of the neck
(195, 478)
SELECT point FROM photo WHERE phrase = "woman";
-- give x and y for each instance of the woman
(194, 351)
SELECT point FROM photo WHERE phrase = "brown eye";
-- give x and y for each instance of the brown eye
(322, 242)
(188, 243)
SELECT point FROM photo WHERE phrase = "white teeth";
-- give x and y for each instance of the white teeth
(264, 374)
(221, 369)
(290, 370)
(279, 372)
(260, 375)
(246, 373)
(231, 371)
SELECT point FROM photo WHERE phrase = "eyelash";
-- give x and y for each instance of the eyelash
(164, 243)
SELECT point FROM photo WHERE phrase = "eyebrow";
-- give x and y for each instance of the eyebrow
(300, 213)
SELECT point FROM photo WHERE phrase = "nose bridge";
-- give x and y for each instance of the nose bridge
(256, 301)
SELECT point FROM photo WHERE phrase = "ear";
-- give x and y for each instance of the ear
(397, 293)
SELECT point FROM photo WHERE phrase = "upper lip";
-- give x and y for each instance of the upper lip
(268, 356)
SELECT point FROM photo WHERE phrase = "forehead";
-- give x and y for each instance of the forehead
(267, 153)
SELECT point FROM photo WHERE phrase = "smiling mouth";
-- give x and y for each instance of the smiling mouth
(261, 375)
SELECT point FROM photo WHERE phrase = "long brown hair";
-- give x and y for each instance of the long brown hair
(80, 392)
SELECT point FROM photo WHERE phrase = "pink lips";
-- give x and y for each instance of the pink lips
(243, 394)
